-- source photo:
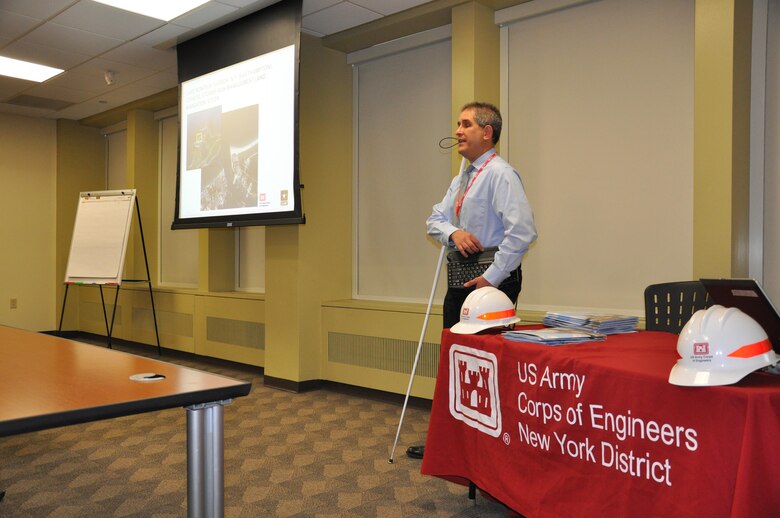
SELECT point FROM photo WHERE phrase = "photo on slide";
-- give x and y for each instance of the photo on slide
(229, 179)
(203, 137)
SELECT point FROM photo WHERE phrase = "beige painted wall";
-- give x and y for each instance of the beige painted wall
(772, 165)
(603, 141)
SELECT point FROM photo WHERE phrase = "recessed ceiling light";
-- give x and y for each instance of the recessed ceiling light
(165, 10)
(26, 70)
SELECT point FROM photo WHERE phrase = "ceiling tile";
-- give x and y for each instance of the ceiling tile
(107, 101)
(40, 9)
(39, 102)
(136, 54)
(312, 6)
(128, 94)
(71, 40)
(107, 21)
(338, 18)
(79, 111)
(167, 33)
(204, 14)
(57, 92)
(78, 80)
(124, 73)
(386, 8)
(159, 81)
(13, 25)
(245, 3)
(43, 55)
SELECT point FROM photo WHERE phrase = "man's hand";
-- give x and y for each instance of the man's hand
(477, 282)
(466, 243)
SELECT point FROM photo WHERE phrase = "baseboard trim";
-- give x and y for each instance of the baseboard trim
(291, 386)
(353, 390)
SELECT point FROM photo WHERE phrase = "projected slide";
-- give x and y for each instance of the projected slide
(238, 139)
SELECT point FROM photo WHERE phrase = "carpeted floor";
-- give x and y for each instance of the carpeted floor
(321, 453)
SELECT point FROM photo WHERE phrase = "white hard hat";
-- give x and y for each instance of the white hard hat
(485, 308)
(720, 346)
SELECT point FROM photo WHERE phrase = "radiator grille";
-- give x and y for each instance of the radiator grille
(388, 354)
(235, 332)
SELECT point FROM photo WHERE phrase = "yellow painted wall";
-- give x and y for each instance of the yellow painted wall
(475, 61)
(28, 147)
(374, 323)
(308, 267)
(312, 263)
(721, 137)
(142, 171)
(81, 159)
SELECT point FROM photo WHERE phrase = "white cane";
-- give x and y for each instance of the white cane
(419, 344)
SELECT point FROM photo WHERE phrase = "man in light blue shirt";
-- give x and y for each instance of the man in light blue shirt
(485, 206)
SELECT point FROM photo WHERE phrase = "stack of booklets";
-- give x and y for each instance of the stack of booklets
(598, 323)
(553, 336)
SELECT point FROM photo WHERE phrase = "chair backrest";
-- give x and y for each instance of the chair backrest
(668, 306)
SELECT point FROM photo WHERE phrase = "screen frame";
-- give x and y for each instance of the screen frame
(274, 27)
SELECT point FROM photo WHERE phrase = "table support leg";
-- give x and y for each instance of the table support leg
(205, 460)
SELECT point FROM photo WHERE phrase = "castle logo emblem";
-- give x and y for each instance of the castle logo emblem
(474, 389)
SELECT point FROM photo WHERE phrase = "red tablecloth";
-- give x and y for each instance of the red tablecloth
(596, 430)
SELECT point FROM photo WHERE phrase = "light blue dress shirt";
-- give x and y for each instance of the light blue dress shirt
(495, 209)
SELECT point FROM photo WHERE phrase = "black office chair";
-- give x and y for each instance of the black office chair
(668, 306)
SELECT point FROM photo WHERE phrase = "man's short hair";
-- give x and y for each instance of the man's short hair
(486, 114)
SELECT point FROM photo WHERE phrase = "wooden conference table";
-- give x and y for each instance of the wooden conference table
(597, 430)
(47, 382)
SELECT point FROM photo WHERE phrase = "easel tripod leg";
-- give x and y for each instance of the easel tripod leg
(62, 317)
(113, 316)
(148, 276)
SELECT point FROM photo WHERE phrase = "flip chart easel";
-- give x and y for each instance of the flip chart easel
(99, 246)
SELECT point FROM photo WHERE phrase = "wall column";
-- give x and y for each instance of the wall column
(721, 202)
(311, 263)
(143, 174)
(282, 329)
(476, 49)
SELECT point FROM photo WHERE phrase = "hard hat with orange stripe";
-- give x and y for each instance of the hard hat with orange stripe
(485, 308)
(720, 346)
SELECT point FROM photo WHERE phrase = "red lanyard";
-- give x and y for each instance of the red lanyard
(459, 202)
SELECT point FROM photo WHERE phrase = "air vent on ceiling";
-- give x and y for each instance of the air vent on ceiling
(30, 101)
